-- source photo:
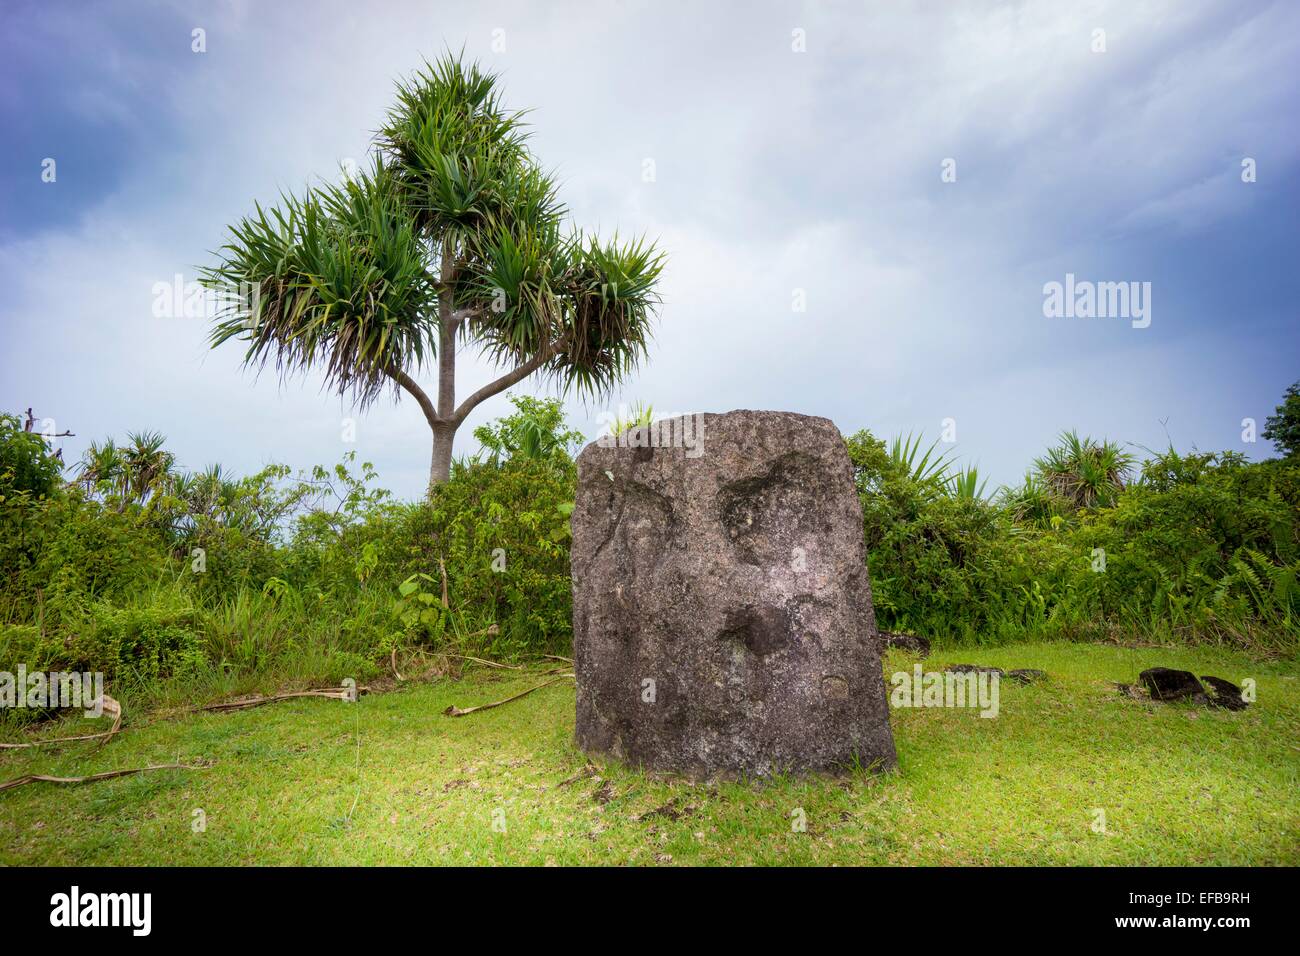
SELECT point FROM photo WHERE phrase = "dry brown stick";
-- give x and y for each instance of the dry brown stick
(454, 711)
(557, 657)
(110, 705)
(335, 693)
(107, 775)
(480, 660)
(393, 660)
(115, 708)
(340, 693)
(56, 740)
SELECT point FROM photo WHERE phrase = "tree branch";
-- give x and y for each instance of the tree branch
(421, 398)
(460, 315)
(515, 375)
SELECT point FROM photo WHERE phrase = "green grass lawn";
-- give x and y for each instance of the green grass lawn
(390, 780)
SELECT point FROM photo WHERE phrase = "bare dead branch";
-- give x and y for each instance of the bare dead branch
(454, 711)
(107, 775)
(111, 706)
(334, 693)
(487, 663)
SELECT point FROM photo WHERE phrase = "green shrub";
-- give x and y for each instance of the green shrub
(148, 640)
(502, 534)
(67, 548)
(951, 566)
(1283, 427)
(1202, 548)
(27, 466)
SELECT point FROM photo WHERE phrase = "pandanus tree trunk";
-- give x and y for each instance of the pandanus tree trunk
(442, 427)
(446, 416)
(444, 433)
(440, 465)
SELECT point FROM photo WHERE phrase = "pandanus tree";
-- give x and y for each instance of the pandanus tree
(132, 473)
(1084, 472)
(452, 237)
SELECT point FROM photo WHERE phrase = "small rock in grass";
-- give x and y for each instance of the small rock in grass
(1225, 693)
(905, 642)
(1166, 684)
(1026, 675)
(975, 669)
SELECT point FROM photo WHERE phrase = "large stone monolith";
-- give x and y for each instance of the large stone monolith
(722, 617)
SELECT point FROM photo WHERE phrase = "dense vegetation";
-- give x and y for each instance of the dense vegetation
(192, 581)
(1199, 547)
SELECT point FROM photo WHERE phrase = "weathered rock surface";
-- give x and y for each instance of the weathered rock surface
(1021, 675)
(1165, 683)
(1224, 693)
(722, 612)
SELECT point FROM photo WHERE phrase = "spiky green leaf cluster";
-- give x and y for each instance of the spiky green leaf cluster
(930, 468)
(335, 279)
(1085, 472)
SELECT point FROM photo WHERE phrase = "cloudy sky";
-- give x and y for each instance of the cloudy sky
(914, 174)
